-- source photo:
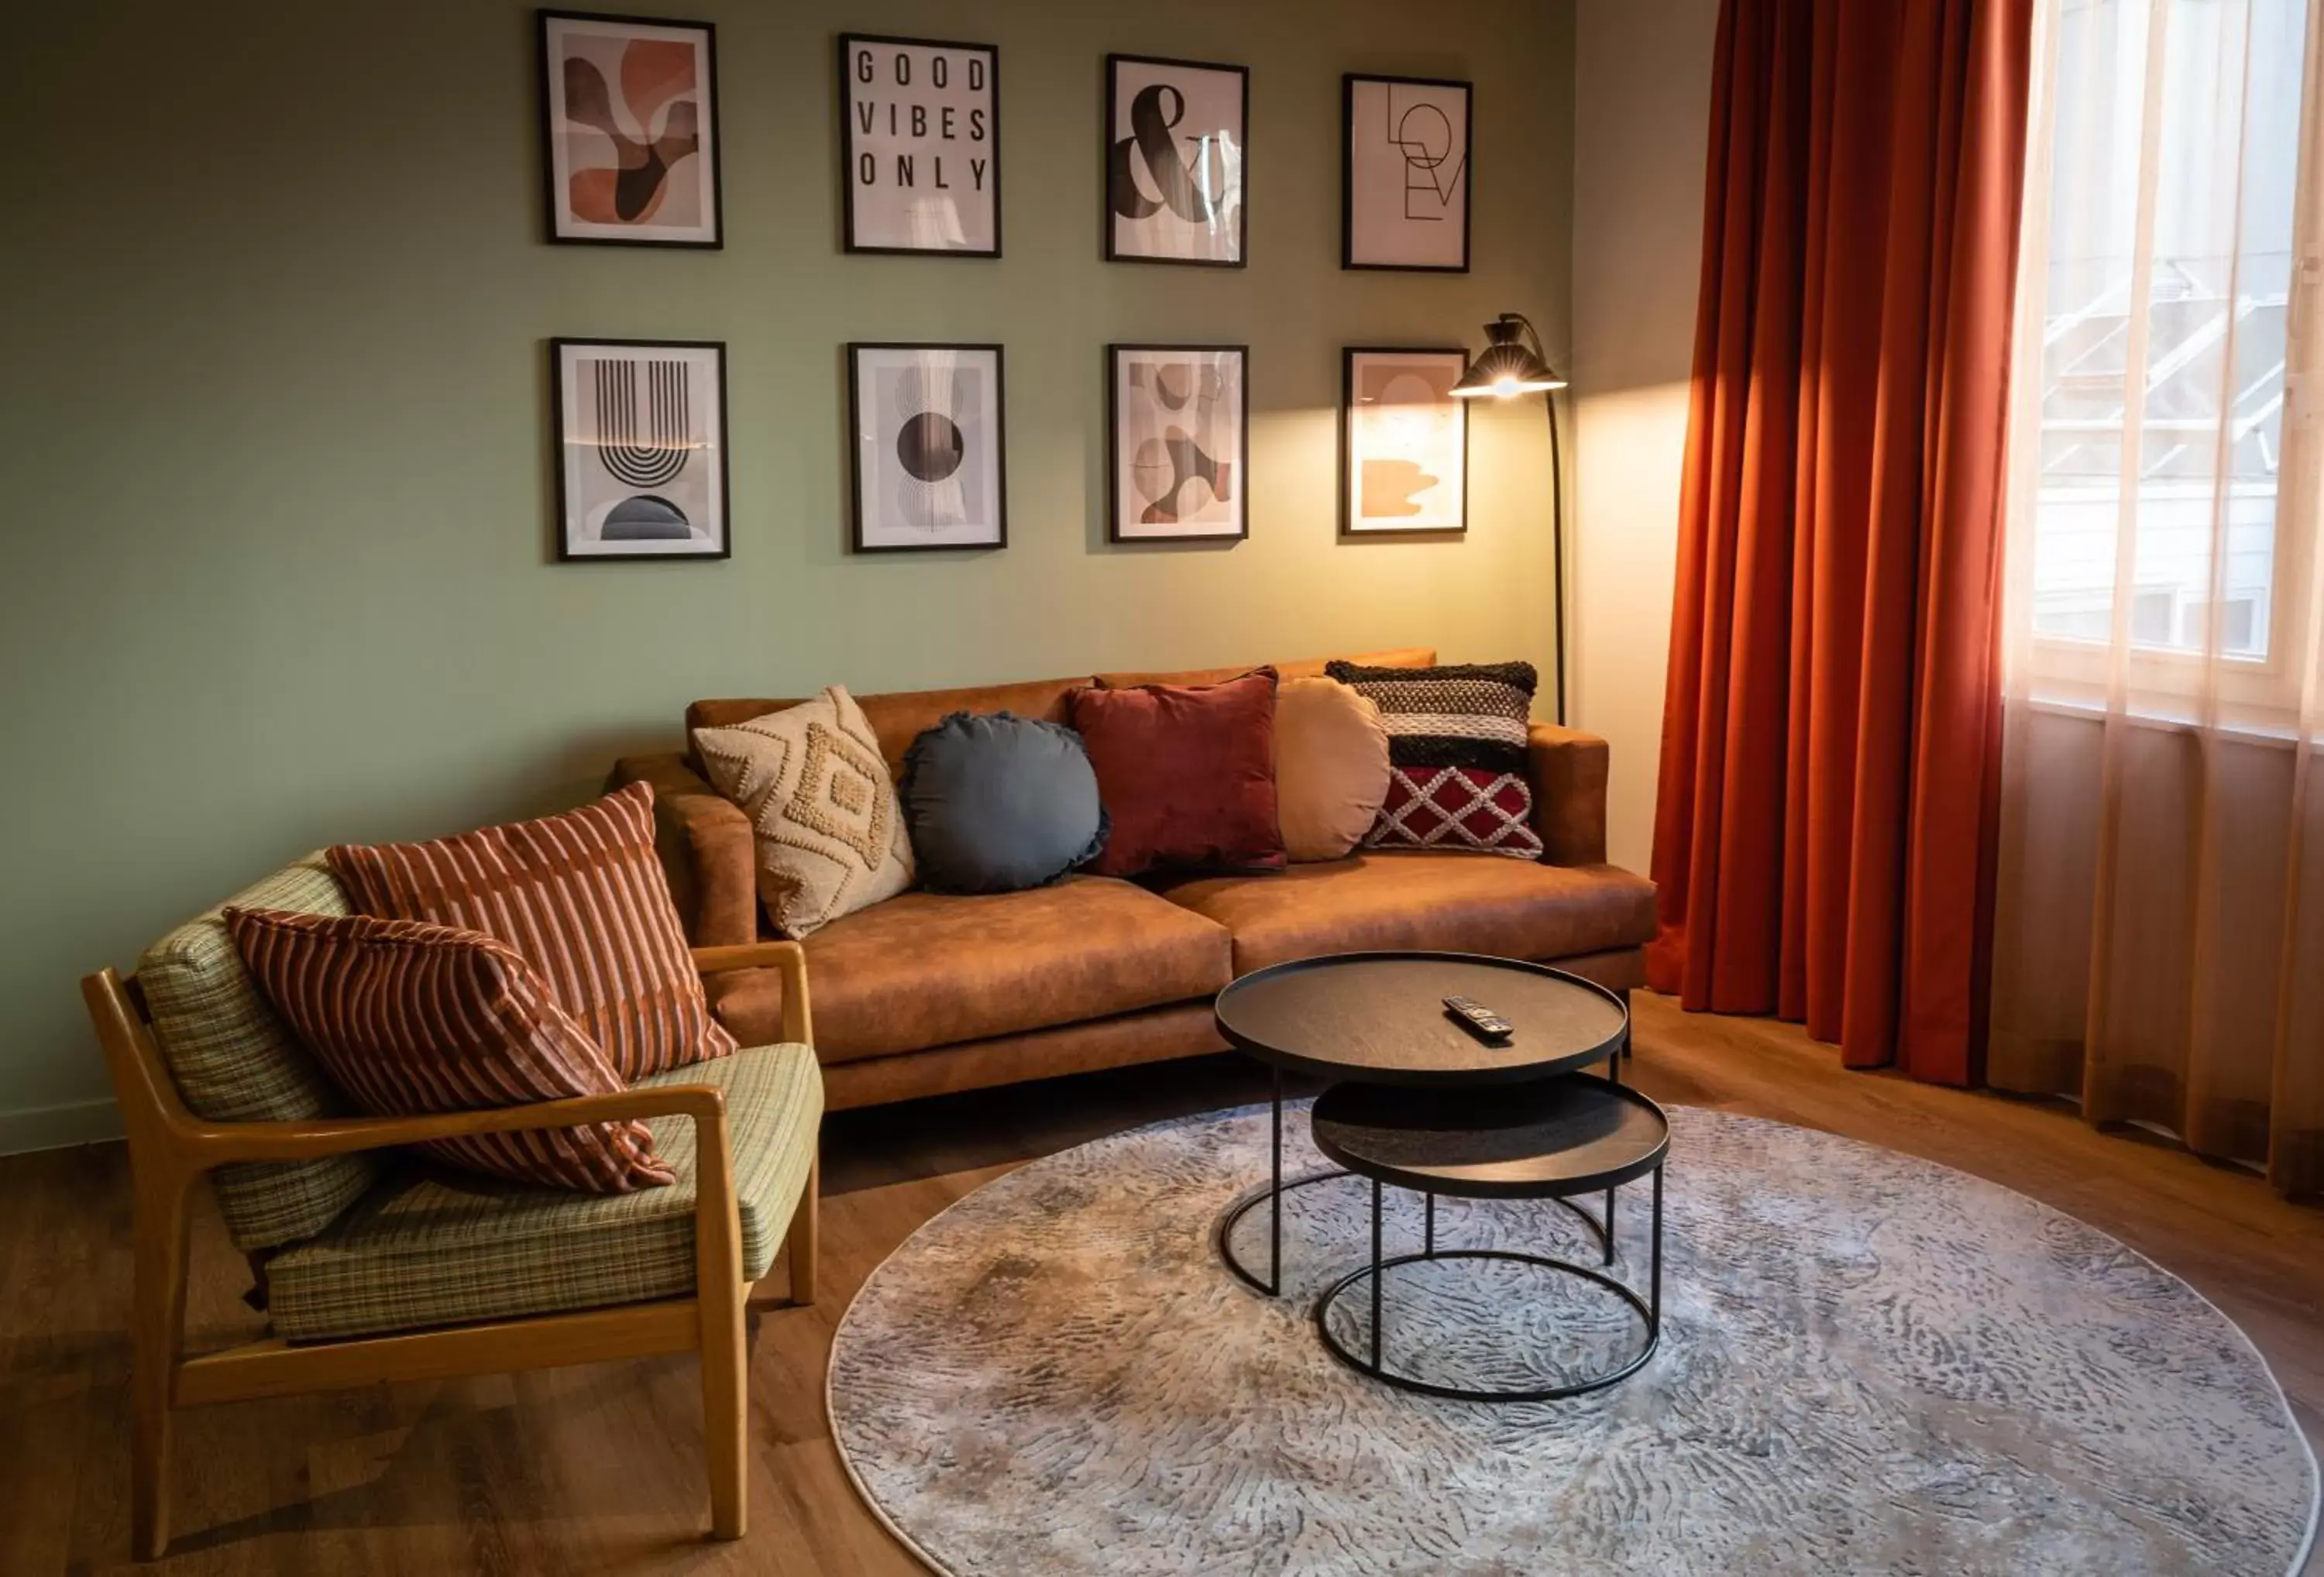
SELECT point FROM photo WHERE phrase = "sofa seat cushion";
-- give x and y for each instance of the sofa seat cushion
(441, 1248)
(930, 969)
(1444, 902)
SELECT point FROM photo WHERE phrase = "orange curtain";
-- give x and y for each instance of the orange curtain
(1824, 832)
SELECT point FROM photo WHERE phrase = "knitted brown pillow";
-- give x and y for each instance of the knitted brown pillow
(580, 896)
(410, 1019)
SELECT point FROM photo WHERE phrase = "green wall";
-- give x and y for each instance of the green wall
(277, 563)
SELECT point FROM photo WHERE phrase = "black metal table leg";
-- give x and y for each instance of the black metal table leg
(1428, 1239)
(1375, 1274)
(1609, 1228)
(1274, 1193)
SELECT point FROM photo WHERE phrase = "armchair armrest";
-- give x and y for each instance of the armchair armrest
(218, 1144)
(705, 843)
(1568, 768)
(799, 1021)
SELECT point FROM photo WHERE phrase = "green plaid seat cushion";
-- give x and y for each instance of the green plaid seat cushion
(234, 1061)
(439, 1247)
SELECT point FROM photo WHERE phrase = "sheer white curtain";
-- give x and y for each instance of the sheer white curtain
(2159, 918)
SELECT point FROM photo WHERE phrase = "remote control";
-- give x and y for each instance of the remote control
(1479, 1019)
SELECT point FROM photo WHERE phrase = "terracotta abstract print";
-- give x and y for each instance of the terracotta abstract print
(630, 131)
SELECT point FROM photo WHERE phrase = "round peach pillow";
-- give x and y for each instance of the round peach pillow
(1331, 767)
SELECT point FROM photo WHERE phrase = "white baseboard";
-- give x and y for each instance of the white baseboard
(54, 1128)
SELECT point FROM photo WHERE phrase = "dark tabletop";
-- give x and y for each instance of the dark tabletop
(1572, 1134)
(1379, 1016)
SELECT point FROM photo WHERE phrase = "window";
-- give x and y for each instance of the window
(2164, 517)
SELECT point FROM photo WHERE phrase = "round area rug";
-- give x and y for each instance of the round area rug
(1869, 1363)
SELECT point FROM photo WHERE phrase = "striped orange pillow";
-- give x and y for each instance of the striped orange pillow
(581, 896)
(410, 1018)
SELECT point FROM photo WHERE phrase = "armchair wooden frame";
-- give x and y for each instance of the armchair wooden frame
(171, 1150)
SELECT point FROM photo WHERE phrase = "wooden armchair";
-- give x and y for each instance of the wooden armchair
(172, 1149)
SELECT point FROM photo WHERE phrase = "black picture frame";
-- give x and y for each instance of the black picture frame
(1348, 529)
(856, 542)
(564, 524)
(1107, 249)
(1348, 172)
(1113, 457)
(848, 155)
(552, 203)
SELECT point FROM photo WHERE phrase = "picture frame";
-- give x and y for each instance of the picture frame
(642, 449)
(914, 114)
(1404, 441)
(928, 450)
(1407, 165)
(630, 142)
(1177, 443)
(1166, 122)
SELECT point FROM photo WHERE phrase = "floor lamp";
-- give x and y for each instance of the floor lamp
(1512, 364)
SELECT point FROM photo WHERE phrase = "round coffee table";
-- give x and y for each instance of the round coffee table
(1379, 1019)
(1551, 1139)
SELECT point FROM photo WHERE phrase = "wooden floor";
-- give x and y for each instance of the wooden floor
(600, 1467)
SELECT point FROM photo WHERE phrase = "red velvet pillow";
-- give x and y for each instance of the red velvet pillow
(1186, 773)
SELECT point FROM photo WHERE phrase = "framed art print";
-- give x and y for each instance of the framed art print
(1407, 174)
(1179, 417)
(1175, 142)
(1404, 442)
(920, 152)
(641, 448)
(929, 454)
(632, 138)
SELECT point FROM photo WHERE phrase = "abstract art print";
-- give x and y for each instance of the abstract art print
(920, 156)
(929, 449)
(1179, 415)
(1404, 442)
(1407, 174)
(1175, 152)
(632, 135)
(641, 448)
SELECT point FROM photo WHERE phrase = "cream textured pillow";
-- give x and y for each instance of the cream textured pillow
(830, 833)
(1331, 767)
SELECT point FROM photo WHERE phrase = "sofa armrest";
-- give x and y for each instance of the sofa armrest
(706, 847)
(1568, 770)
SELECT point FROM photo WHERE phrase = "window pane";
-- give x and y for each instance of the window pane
(2203, 452)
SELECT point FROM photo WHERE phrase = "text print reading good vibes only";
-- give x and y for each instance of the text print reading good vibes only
(922, 124)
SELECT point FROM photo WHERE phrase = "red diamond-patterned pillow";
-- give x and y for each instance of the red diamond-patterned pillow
(1457, 807)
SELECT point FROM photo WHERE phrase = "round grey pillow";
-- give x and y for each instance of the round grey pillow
(997, 803)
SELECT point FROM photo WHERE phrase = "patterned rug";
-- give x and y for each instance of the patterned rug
(1869, 1364)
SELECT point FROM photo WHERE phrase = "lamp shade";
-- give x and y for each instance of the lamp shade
(1507, 366)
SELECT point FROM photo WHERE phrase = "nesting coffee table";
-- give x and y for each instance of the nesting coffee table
(1419, 1102)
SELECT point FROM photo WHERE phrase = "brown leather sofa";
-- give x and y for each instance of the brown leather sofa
(926, 992)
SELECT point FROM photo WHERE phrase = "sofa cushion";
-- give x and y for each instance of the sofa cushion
(998, 804)
(929, 969)
(581, 896)
(1448, 902)
(430, 1248)
(410, 1018)
(1187, 774)
(1331, 768)
(831, 837)
(234, 1061)
(1457, 751)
